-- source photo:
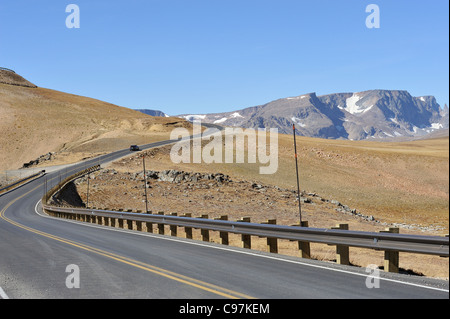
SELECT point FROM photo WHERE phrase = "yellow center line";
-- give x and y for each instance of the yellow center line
(140, 265)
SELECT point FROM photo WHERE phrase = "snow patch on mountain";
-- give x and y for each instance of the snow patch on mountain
(351, 104)
(220, 121)
(298, 121)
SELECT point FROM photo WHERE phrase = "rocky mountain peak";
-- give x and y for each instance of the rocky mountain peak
(373, 114)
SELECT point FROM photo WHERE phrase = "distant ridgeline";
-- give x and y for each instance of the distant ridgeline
(10, 77)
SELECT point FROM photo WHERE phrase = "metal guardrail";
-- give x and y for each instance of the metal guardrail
(429, 245)
(17, 183)
(61, 184)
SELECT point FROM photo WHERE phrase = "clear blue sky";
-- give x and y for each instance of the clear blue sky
(198, 56)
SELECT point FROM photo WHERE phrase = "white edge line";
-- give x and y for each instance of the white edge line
(3, 295)
(236, 251)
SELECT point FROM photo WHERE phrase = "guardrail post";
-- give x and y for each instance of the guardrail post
(342, 251)
(106, 221)
(246, 239)
(149, 225)
(205, 232)
(113, 222)
(391, 257)
(224, 237)
(173, 228)
(129, 224)
(161, 226)
(272, 243)
(188, 230)
(445, 256)
(304, 246)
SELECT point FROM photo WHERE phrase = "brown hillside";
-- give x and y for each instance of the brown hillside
(35, 121)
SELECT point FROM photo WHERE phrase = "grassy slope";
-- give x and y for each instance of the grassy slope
(35, 121)
(395, 182)
(401, 182)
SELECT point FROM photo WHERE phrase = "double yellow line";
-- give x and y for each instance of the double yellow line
(226, 293)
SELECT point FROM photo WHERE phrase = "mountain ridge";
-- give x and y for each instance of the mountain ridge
(373, 114)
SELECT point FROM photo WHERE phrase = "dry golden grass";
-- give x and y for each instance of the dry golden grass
(35, 121)
(394, 182)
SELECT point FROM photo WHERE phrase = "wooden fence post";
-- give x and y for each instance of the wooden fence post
(173, 228)
(139, 225)
(246, 239)
(149, 225)
(130, 224)
(161, 226)
(188, 230)
(224, 235)
(205, 232)
(272, 243)
(342, 251)
(391, 257)
(304, 246)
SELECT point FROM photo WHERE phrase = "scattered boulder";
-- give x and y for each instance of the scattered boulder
(176, 176)
(335, 202)
(43, 158)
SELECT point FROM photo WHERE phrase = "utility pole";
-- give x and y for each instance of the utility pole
(145, 184)
(298, 184)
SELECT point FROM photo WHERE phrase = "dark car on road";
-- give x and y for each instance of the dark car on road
(134, 148)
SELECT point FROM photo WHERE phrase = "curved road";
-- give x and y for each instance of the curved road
(37, 253)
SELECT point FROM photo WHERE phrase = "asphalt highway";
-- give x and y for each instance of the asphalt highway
(42, 257)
